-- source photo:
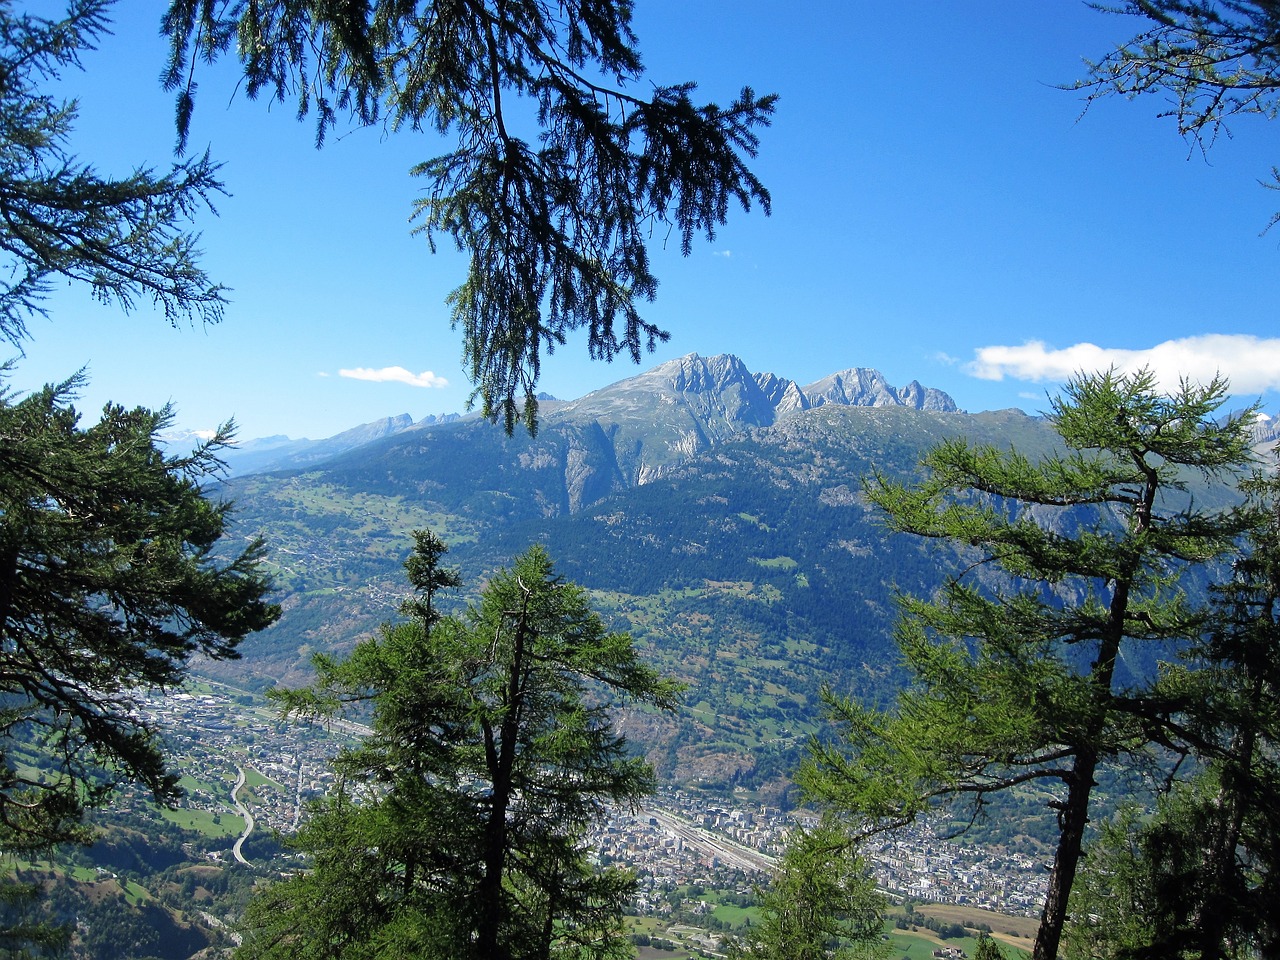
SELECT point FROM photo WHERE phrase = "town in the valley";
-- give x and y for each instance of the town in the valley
(678, 838)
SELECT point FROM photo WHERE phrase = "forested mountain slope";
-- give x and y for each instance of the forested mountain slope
(715, 513)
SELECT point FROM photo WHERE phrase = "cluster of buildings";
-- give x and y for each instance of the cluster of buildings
(682, 838)
(208, 734)
(679, 838)
(914, 863)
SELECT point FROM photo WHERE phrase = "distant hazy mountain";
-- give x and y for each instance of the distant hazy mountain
(284, 453)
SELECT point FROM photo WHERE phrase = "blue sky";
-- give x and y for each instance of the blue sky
(942, 212)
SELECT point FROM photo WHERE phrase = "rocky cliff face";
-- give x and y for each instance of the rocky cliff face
(1266, 438)
(627, 434)
(865, 387)
(679, 409)
(666, 415)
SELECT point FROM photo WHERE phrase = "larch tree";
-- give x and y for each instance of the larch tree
(1031, 666)
(821, 903)
(1197, 877)
(561, 172)
(458, 826)
(987, 949)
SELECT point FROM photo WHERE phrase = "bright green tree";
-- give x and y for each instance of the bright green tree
(1197, 877)
(457, 828)
(1033, 665)
(561, 171)
(987, 949)
(821, 903)
(111, 580)
(124, 237)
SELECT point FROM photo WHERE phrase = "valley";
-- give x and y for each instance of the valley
(715, 515)
(723, 529)
(237, 758)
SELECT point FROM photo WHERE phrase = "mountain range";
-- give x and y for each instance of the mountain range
(709, 397)
(715, 513)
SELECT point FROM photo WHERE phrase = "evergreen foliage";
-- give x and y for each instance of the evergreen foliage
(59, 218)
(1022, 679)
(987, 949)
(1197, 879)
(1209, 61)
(110, 574)
(822, 903)
(560, 174)
(457, 827)
(109, 581)
(24, 932)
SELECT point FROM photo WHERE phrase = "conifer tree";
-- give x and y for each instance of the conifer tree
(457, 828)
(110, 581)
(1039, 673)
(987, 949)
(60, 219)
(560, 174)
(1209, 62)
(821, 903)
(1197, 877)
(112, 576)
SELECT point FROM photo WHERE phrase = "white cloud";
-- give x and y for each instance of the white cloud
(395, 375)
(727, 254)
(1252, 364)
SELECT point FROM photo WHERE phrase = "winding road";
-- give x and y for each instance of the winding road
(244, 812)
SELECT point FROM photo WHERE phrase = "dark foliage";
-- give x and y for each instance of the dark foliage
(109, 580)
(60, 219)
(560, 174)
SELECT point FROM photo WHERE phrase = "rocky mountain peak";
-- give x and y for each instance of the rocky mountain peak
(717, 392)
(867, 387)
(785, 395)
(638, 429)
(756, 398)
(696, 374)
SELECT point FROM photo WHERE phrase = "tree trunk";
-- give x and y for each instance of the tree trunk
(501, 760)
(1074, 814)
(1073, 817)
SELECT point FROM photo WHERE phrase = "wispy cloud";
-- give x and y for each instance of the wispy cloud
(1252, 364)
(395, 375)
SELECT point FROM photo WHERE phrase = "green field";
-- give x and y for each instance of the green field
(205, 822)
(915, 944)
